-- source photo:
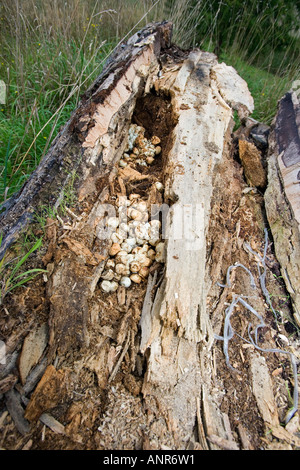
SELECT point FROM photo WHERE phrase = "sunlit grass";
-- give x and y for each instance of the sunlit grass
(265, 87)
(50, 53)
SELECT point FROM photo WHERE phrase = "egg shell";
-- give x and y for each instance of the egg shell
(110, 264)
(123, 228)
(154, 240)
(109, 286)
(136, 250)
(125, 281)
(135, 214)
(108, 275)
(149, 160)
(141, 206)
(155, 223)
(140, 141)
(151, 254)
(140, 250)
(146, 262)
(126, 247)
(145, 248)
(112, 222)
(144, 271)
(129, 259)
(143, 259)
(141, 231)
(155, 140)
(160, 252)
(114, 249)
(122, 257)
(133, 196)
(159, 186)
(135, 266)
(131, 241)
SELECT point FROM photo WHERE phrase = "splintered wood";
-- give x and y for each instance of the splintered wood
(119, 345)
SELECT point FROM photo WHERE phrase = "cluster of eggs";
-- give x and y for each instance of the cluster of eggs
(136, 245)
(139, 149)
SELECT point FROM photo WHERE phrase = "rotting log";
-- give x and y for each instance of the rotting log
(144, 367)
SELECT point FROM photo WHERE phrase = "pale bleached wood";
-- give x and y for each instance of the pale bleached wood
(89, 137)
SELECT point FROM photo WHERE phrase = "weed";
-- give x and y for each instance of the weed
(42, 214)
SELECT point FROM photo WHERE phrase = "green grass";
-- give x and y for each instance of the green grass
(265, 87)
(12, 274)
(52, 51)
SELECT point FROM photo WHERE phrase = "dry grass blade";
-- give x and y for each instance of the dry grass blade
(228, 331)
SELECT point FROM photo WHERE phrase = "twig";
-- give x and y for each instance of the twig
(234, 266)
(71, 213)
(125, 349)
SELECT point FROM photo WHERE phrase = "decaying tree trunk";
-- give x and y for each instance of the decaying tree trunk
(161, 364)
(282, 195)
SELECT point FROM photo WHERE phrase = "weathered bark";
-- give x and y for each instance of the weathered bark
(283, 193)
(144, 368)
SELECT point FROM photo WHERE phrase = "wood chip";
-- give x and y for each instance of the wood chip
(263, 390)
(129, 174)
(281, 433)
(80, 249)
(277, 371)
(201, 431)
(51, 234)
(223, 443)
(246, 444)
(34, 376)
(121, 295)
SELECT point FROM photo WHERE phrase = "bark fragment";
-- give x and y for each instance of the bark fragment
(282, 197)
